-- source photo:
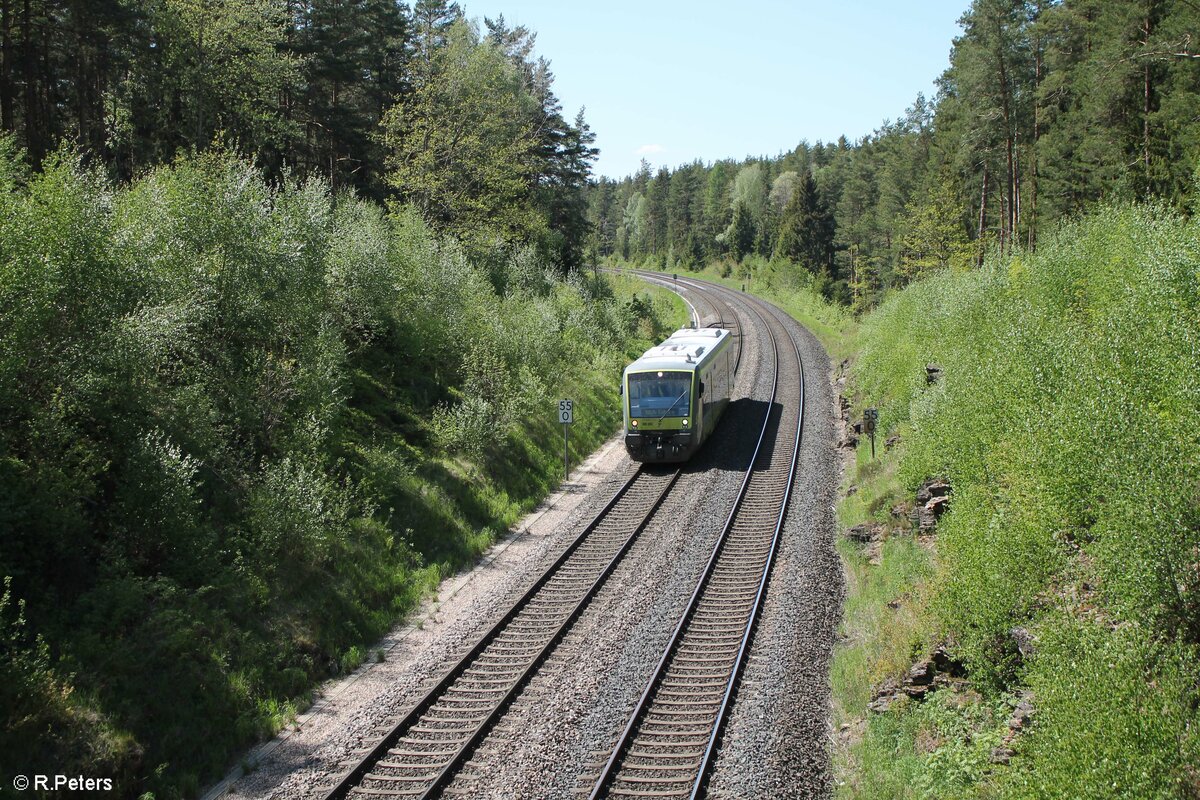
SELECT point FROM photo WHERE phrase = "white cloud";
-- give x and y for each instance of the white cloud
(649, 150)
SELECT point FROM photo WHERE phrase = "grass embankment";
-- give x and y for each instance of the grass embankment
(1066, 424)
(245, 429)
(1066, 573)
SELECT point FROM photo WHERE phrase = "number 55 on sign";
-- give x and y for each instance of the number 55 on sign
(566, 415)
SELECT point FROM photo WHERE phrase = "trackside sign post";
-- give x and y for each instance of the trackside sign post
(566, 415)
(870, 420)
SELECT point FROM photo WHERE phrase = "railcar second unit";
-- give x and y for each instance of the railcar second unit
(675, 393)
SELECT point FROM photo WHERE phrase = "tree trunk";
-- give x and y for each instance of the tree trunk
(1037, 130)
(82, 56)
(1146, 30)
(6, 57)
(1016, 236)
(1009, 224)
(333, 139)
(983, 200)
(33, 136)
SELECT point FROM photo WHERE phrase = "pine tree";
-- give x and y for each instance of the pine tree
(806, 231)
(741, 233)
(432, 21)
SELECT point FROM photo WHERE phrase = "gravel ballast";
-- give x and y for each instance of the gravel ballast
(564, 721)
(776, 741)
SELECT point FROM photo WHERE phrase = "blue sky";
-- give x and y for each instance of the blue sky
(676, 81)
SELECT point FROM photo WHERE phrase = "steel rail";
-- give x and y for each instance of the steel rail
(362, 770)
(704, 290)
(609, 772)
(355, 774)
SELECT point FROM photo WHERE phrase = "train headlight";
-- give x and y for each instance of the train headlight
(634, 423)
(685, 422)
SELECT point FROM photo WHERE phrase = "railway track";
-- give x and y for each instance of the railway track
(423, 749)
(667, 747)
(421, 752)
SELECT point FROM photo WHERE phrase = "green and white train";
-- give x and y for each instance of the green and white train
(675, 393)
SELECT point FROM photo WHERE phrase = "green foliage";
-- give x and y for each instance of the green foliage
(46, 727)
(461, 146)
(302, 86)
(1116, 716)
(1063, 422)
(940, 748)
(739, 238)
(879, 639)
(223, 464)
(806, 230)
(935, 239)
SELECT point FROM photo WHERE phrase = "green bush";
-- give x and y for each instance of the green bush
(245, 428)
(1065, 421)
(1115, 716)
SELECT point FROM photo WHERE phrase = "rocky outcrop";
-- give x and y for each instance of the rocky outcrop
(1021, 717)
(866, 532)
(933, 373)
(1023, 641)
(932, 499)
(939, 670)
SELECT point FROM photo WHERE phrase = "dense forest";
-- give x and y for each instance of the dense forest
(367, 94)
(1046, 109)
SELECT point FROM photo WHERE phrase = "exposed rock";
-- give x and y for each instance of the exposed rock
(850, 441)
(1019, 720)
(931, 489)
(917, 691)
(844, 405)
(881, 705)
(921, 673)
(891, 441)
(866, 532)
(933, 372)
(924, 519)
(945, 663)
(853, 490)
(937, 505)
(889, 686)
(901, 510)
(883, 696)
(939, 671)
(1002, 755)
(1023, 639)
(1021, 716)
(857, 428)
(919, 680)
(932, 499)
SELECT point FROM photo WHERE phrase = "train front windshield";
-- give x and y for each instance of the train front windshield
(660, 394)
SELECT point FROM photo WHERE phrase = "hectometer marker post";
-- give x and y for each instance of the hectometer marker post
(566, 415)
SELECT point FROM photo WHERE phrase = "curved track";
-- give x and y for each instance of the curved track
(668, 745)
(420, 753)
